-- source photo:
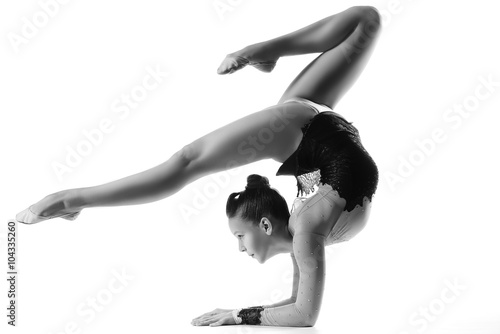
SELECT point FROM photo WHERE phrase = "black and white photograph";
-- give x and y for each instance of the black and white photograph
(247, 167)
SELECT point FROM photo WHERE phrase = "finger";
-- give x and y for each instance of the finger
(218, 323)
(204, 315)
(199, 317)
(222, 320)
(198, 322)
(207, 318)
(208, 314)
(204, 321)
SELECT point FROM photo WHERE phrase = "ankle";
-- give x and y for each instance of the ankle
(72, 200)
(259, 52)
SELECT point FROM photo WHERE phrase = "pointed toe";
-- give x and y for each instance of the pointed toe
(28, 217)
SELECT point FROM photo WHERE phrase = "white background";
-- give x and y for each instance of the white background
(438, 224)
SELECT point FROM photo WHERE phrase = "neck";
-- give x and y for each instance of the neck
(284, 240)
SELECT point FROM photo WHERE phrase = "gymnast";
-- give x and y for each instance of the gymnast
(336, 177)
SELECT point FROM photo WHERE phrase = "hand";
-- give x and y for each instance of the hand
(216, 317)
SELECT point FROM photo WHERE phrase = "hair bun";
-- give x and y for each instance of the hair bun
(255, 181)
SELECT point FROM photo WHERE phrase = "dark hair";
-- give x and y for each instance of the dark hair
(256, 201)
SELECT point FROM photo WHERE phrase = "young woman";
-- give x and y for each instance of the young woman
(315, 144)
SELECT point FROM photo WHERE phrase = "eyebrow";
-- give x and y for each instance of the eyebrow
(236, 232)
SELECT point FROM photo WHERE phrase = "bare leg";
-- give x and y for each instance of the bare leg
(346, 40)
(323, 81)
(228, 147)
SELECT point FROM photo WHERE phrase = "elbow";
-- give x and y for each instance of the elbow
(304, 323)
(309, 320)
(305, 317)
(309, 323)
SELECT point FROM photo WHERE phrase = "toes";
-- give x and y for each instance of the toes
(27, 217)
(21, 216)
(224, 67)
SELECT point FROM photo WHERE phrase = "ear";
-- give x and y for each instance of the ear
(266, 226)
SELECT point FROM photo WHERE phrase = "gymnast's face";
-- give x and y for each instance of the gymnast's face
(253, 239)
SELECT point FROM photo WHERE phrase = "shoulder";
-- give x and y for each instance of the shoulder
(310, 224)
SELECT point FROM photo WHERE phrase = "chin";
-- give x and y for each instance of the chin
(259, 259)
(262, 259)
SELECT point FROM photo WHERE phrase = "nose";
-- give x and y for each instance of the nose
(241, 247)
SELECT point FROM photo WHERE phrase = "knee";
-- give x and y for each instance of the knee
(188, 154)
(369, 12)
(372, 19)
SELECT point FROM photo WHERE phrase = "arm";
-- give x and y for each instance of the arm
(309, 252)
(295, 287)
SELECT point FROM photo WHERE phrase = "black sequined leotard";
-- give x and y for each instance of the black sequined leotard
(331, 153)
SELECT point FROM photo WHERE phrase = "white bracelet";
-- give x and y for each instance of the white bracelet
(237, 319)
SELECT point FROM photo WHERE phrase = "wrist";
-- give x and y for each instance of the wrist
(237, 319)
(249, 315)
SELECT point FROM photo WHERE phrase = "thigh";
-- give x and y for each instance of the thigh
(272, 133)
(327, 78)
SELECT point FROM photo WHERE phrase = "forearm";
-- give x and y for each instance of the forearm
(319, 36)
(309, 281)
(288, 301)
(286, 315)
(280, 303)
